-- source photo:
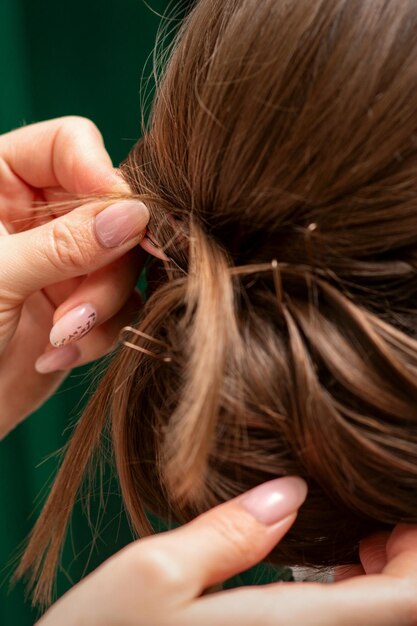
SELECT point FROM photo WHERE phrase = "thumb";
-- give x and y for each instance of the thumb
(224, 541)
(402, 553)
(77, 243)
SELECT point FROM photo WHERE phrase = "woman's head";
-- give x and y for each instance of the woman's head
(282, 130)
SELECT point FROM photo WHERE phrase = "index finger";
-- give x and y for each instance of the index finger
(66, 152)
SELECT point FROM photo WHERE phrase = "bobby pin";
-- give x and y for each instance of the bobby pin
(312, 263)
(277, 283)
(255, 268)
(160, 356)
(311, 228)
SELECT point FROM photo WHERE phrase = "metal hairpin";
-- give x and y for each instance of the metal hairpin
(165, 357)
(256, 268)
(312, 264)
(309, 244)
(276, 273)
(235, 271)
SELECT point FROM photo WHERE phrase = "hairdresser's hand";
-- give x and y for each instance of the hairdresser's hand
(160, 581)
(81, 262)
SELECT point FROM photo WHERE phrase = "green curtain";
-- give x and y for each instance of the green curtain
(58, 58)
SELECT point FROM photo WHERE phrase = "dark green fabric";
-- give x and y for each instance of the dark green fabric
(84, 57)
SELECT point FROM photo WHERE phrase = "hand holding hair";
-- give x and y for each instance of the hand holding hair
(159, 581)
(76, 271)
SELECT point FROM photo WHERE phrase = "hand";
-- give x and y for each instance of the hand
(159, 581)
(86, 260)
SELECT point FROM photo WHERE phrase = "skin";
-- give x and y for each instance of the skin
(51, 262)
(157, 581)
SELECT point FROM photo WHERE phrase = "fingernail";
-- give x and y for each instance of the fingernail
(57, 359)
(73, 325)
(149, 244)
(121, 222)
(275, 500)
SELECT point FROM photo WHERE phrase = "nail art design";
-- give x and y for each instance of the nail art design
(73, 325)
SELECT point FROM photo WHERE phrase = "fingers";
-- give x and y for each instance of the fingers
(18, 365)
(77, 243)
(67, 152)
(344, 572)
(224, 541)
(151, 247)
(373, 558)
(373, 552)
(369, 603)
(98, 298)
(99, 342)
(148, 581)
(389, 599)
(401, 552)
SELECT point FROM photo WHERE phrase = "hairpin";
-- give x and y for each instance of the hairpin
(312, 264)
(167, 358)
(311, 228)
(278, 284)
(256, 268)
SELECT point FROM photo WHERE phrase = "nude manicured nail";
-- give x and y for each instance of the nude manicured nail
(57, 359)
(73, 325)
(121, 222)
(275, 500)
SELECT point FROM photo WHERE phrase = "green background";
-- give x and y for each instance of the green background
(85, 57)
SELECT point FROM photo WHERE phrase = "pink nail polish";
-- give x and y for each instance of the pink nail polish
(275, 500)
(121, 222)
(57, 359)
(149, 244)
(73, 325)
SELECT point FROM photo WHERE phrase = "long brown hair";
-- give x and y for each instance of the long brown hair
(280, 131)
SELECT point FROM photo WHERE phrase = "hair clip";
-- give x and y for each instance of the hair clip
(160, 356)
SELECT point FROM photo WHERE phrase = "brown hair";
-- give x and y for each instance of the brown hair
(287, 131)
